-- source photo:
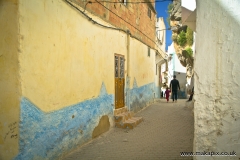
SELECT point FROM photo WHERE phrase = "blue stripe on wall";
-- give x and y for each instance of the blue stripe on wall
(157, 92)
(141, 96)
(48, 135)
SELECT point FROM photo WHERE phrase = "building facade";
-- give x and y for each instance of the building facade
(161, 62)
(65, 66)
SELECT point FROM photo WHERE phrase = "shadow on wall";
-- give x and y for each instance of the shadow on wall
(103, 126)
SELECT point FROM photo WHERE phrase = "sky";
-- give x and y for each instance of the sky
(161, 8)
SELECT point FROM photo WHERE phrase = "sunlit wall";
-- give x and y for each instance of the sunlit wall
(217, 78)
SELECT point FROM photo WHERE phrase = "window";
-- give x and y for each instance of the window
(124, 2)
(148, 51)
(149, 12)
(156, 68)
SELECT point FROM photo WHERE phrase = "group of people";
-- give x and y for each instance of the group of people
(174, 87)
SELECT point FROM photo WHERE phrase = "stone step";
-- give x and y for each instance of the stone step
(123, 116)
(137, 119)
(130, 123)
(125, 119)
(120, 110)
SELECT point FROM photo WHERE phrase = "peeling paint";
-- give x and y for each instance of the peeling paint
(103, 126)
(49, 135)
(140, 97)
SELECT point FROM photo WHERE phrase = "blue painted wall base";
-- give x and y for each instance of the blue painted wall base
(140, 97)
(49, 135)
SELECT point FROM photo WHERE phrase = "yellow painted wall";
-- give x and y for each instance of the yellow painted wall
(142, 67)
(65, 58)
(9, 79)
(52, 55)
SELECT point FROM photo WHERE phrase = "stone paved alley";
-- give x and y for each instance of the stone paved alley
(166, 131)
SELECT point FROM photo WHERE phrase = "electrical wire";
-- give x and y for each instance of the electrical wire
(119, 29)
(125, 21)
(136, 2)
(89, 18)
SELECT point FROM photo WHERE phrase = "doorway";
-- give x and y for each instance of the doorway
(119, 80)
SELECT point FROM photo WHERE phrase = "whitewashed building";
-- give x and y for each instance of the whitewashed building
(216, 82)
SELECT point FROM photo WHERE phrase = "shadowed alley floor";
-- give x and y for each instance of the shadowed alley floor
(166, 131)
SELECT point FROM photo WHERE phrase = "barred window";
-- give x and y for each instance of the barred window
(149, 52)
(124, 2)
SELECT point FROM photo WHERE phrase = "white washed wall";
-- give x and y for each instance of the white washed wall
(217, 77)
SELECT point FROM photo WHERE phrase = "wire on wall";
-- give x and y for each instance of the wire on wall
(119, 29)
(89, 18)
(125, 21)
(136, 2)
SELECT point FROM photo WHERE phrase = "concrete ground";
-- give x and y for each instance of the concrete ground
(166, 131)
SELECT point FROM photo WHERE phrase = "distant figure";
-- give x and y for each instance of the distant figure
(191, 96)
(174, 85)
(167, 94)
(162, 94)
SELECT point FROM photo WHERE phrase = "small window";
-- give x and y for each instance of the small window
(149, 13)
(124, 2)
(149, 52)
(156, 68)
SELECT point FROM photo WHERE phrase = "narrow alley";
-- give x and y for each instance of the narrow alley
(166, 131)
(72, 70)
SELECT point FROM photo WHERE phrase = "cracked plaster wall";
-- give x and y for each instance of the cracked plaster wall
(217, 78)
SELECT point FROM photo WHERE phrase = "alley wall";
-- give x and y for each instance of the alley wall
(9, 79)
(61, 85)
(67, 73)
(217, 68)
(142, 89)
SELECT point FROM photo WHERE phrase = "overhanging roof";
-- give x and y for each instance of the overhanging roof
(161, 57)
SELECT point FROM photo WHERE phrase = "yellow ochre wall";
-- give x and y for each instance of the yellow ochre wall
(142, 67)
(65, 57)
(55, 57)
(9, 79)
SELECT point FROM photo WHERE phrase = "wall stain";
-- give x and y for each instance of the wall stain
(12, 129)
(219, 133)
(103, 126)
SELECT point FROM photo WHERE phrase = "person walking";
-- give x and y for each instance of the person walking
(174, 85)
(167, 94)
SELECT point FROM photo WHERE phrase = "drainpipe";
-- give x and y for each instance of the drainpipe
(166, 61)
(128, 68)
(128, 55)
